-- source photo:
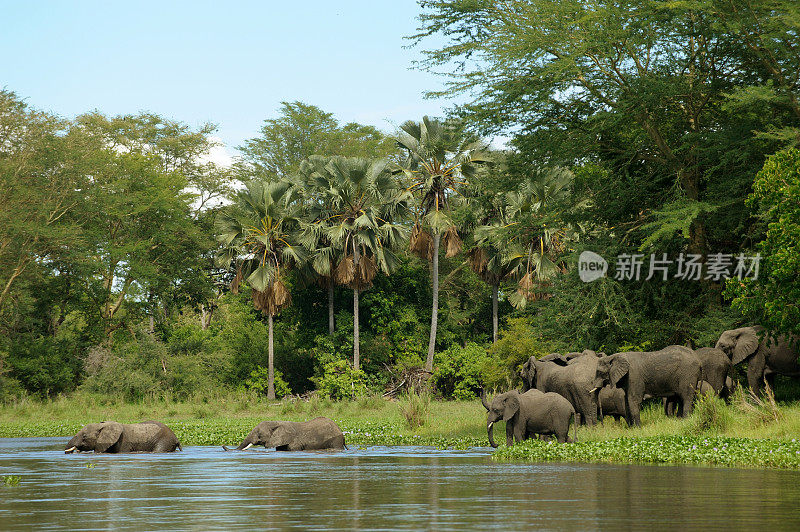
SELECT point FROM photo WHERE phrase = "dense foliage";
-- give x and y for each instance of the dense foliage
(130, 265)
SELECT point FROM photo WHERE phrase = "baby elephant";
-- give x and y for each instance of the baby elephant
(529, 414)
(319, 433)
(113, 437)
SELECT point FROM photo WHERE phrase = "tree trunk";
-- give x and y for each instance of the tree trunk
(435, 306)
(495, 290)
(271, 384)
(356, 341)
(331, 322)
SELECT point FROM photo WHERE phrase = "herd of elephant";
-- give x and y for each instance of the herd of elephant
(559, 390)
(585, 386)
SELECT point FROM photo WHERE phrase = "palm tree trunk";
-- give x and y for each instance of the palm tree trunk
(271, 384)
(435, 307)
(331, 323)
(495, 290)
(356, 341)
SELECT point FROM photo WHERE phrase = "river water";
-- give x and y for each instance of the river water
(375, 488)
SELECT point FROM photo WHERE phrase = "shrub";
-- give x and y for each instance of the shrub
(340, 380)
(415, 408)
(710, 414)
(460, 373)
(46, 365)
(516, 344)
(259, 382)
(145, 368)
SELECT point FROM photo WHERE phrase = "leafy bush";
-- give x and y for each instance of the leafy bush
(415, 408)
(259, 382)
(145, 367)
(460, 373)
(340, 380)
(710, 414)
(46, 365)
(516, 344)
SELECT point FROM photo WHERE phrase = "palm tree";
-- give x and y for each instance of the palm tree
(314, 181)
(363, 201)
(440, 157)
(487, 252)
(259, 235)
(536, 235)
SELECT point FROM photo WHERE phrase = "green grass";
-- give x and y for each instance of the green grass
(11, 480)
(749, 434)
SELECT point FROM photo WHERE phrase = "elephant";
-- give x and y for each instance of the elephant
(673, 370)
(612, 402)
(530, 414)
(319, 433)
(714, 366)
(113, 437)
(765, 355)
(571, 379)
(556, 357)
(672, 406)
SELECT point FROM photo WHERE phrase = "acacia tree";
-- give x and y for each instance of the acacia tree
(439, 158)
(42, 178)
(142, 235)
(361, 203)
(661, 89)
(259, 235)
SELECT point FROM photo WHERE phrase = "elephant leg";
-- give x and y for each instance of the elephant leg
(687, 400)
(632, 411)
(509, 433)
(589, 412)
(755, 372)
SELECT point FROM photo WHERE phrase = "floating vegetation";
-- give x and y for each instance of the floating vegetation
(720, 451)
(11, 480)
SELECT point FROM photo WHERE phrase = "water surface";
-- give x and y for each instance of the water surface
(383, 488)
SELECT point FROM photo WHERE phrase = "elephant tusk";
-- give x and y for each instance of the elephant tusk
(248, 446)
(593, 390)
(490, 424)
(68, 451)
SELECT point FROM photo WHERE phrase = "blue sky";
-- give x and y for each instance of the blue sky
(229, 63)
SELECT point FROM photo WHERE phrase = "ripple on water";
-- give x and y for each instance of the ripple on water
(374, 488)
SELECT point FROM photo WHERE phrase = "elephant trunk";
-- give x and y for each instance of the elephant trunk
(72, 446)
(491, 434)
(246, 443)
(483, 399)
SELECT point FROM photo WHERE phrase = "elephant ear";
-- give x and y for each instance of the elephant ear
(511, 406)
(110, 433)
(281, 436)
(619, 368)
(746, 345)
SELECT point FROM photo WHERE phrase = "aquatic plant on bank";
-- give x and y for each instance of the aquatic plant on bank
(719, 451)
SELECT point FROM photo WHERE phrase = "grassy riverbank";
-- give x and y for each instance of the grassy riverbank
(735, 435)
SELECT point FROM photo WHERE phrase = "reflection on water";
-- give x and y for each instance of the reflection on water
(205, 488)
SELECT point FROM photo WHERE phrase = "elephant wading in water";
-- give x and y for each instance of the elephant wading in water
(765, 355)
(319, 433)
(673, 370)
(112, 437)
(529, 414)
(572, 379)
